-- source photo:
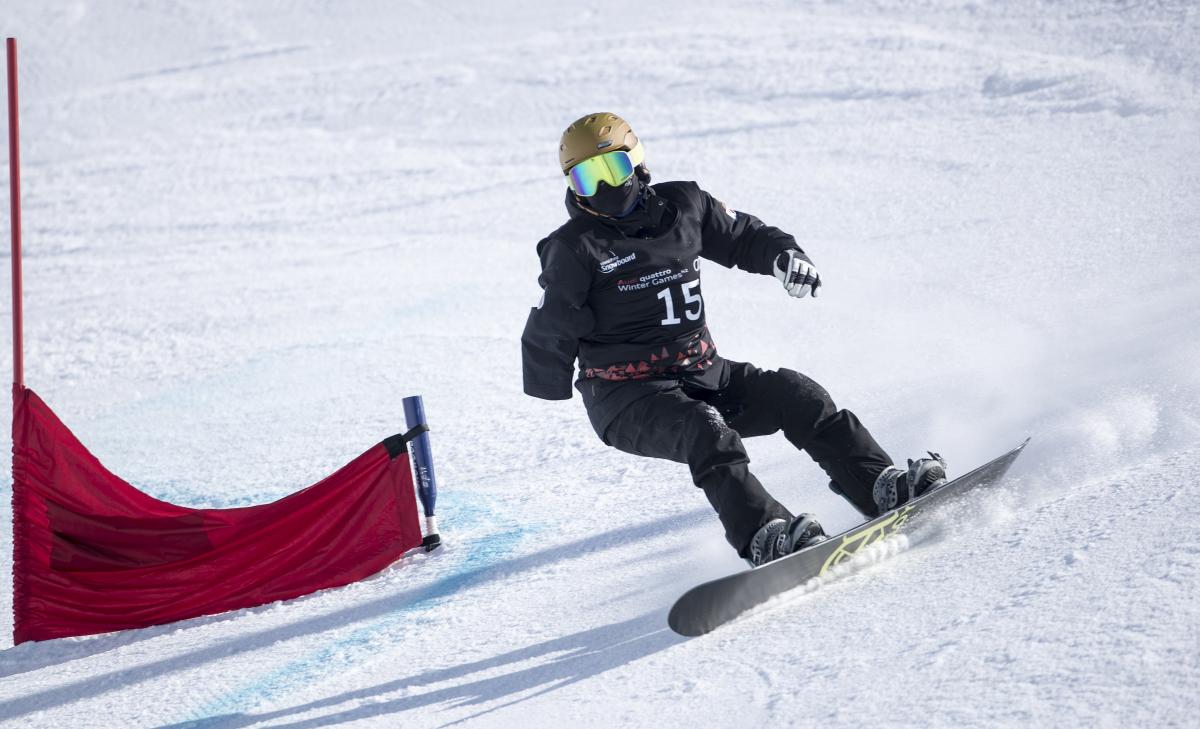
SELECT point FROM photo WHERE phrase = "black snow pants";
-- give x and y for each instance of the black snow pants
(704, 428)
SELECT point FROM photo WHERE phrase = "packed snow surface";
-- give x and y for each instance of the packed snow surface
(253, 227)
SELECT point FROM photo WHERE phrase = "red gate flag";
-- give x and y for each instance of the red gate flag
(92, 554)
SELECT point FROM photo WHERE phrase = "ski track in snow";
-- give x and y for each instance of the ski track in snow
(251, 228)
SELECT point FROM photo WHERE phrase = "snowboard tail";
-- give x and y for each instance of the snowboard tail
(714, 603)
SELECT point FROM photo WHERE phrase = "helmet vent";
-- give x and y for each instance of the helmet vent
(593, 135)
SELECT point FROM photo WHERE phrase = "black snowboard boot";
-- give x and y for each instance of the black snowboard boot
(778, 538)
(896, 486)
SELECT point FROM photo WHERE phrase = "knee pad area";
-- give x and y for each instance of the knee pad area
(803, 395)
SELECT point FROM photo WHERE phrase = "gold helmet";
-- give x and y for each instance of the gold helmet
(595, 134)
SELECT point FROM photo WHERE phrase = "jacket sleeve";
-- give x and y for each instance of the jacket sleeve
(552, 332)
(733, 238)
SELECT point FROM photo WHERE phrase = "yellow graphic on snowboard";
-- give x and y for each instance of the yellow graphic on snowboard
(852, 543)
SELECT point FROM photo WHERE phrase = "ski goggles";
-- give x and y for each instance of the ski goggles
(612, 167)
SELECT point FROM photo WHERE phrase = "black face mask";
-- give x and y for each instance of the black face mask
(615, 202)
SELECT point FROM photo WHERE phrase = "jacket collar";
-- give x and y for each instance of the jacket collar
(648, 220)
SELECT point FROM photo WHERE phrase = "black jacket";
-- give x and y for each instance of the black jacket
(623, 296)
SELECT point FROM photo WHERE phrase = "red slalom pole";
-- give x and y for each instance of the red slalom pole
(14, 194)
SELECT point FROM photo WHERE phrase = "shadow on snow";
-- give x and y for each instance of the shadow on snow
(587, 653)
(372, 609)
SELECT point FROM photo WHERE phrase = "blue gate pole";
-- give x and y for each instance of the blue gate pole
(414, 415)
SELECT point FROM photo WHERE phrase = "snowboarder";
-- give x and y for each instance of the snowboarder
(621, 292)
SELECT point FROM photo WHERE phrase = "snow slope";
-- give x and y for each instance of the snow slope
(251, 228)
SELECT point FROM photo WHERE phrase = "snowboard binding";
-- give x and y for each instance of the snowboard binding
(896, 486)
(778, 538)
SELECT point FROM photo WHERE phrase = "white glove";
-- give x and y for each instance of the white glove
(798, 276)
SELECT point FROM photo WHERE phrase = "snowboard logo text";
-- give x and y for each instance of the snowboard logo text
(610, 265)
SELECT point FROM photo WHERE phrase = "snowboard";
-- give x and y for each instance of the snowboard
(714, 603)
